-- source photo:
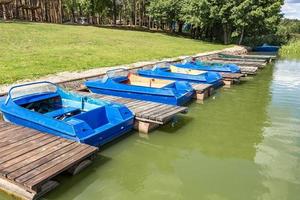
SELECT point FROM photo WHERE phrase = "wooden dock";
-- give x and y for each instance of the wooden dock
(240, 60)
(148, 115)
(239, 63)
(231, 78)
(249, 70)
(29, 160)
(268, 58)
(202, 91)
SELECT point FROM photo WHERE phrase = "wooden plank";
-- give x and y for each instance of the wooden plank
(16, 191)
(15, 132)
(7, 149)
(158, 109)
(8, 129)
(134, 104)
(139, 113)
(240, 60)
(21, 161)
(23, 149)
(39, 162)
(59, 167)
(31, 175)
(144, 108)
(247, 56)
(28, 153)
(232, 75)
(201, 87)
(167, 116)
(141, 107)
(240, 64)
(5, 124)
(165, 113)
(249, 70)
(237, 61)
(147, 113)
(17, 138)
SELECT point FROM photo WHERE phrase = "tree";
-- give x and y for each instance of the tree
(215, 20)
(197, 14)
(166, 11)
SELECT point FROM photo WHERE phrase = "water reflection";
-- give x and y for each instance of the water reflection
(279, 153)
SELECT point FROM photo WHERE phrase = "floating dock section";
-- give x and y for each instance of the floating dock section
(29, 160)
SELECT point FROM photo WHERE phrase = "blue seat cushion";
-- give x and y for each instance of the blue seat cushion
(61, 111)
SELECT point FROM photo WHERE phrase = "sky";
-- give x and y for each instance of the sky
(291, 9)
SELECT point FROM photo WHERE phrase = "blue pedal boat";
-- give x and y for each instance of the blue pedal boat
(121, 83)
(266, 48)
(198, 65)
(166, 72)
(48, 108)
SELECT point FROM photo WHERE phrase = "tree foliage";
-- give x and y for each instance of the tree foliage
(217, 20)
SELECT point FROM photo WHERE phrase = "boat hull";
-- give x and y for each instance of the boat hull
(98, 139)
(68, 115)
(198, 66)
(122, 83)
(266, 48)
(144, 96)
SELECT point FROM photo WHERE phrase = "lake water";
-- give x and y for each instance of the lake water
(243, 143)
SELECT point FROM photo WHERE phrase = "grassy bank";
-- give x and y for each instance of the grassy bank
(30, 50)
(292, 49)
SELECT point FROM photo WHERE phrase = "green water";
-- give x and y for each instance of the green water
(244, 143)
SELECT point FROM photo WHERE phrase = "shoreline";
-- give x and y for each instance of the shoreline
(67, 76)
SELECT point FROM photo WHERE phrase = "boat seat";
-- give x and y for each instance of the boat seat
(148, 82)
(175, 69)
(61, 111)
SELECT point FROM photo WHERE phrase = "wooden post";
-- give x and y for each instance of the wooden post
(144, 127)
(201, 95)
(228, 83)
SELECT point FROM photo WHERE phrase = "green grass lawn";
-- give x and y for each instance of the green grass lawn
(31, 50)
(291, 50)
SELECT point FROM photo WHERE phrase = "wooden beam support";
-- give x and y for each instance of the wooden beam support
(228, 83)
(79, 167)
(202, 95)
(144, 127)
(15, 190)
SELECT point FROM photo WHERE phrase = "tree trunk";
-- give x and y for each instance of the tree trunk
(17, 15)
(226, 33)
(73, 15)
(149, 22)
(133, 12)
(114, 12)
(180, 26)
(4, 12)
(60, 10)
(242, 36)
